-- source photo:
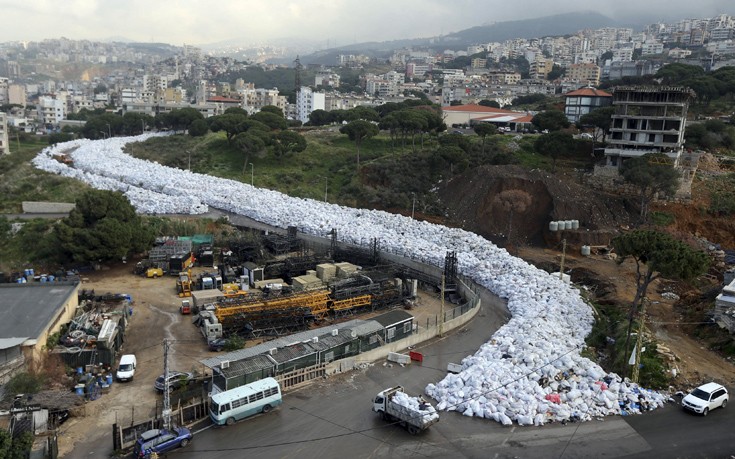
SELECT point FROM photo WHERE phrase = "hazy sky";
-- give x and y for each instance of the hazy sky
(340, 21)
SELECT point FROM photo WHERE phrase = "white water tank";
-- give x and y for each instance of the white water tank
(553, 226)
(586, 250)
(575, 224)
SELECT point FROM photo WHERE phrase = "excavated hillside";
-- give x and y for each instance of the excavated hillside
(471, 203)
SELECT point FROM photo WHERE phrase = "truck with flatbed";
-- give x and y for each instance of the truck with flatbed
(413, 413)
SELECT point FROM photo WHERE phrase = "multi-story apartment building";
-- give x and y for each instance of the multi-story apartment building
(588, 74)
(4, 84)
(17, 94)
(307, 101)
(478, 63)
(647, 119)
(50, 111)
(583, 101)
(327, 79)
(254, 99)
(652, 47)
(540, 68)
(4, 146)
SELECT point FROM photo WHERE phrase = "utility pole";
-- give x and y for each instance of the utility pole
(563, 255)
(252, 174)
(413, 205)
(326, 184)
(441, 310)
(639, 341)
(166, 389)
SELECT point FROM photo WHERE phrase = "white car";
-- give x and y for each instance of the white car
(705, 398)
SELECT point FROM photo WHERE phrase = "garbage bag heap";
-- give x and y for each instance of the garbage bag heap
(530, 372)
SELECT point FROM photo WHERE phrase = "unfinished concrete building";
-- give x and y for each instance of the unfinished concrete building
(647, 119)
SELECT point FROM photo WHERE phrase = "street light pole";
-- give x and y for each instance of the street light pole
(413, 205)
(109, 131)
(326, 184)
(142, 126)
(189, 155)
(252, 174)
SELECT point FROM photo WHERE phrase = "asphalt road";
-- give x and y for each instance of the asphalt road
(333, 419)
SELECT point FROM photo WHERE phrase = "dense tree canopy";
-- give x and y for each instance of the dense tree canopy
(103, 226)
(552, 120)
(554, 145)
(231, 123)
(600, 119)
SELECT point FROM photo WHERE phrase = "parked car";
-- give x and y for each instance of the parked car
(126, 369)
(217, 344)
(585, 135)
(161, 441)
(706, 398)
(176, 379)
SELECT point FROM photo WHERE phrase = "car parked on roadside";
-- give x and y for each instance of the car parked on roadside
(706, 398)
(176, 379)
(161, 441)
(217, 344)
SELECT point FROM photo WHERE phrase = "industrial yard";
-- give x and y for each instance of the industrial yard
(156, 315)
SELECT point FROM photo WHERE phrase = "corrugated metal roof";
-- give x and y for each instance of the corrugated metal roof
(277, 343)
(367, 328)
(293, 352)
(393, 317)
(331, 341)
(247, 366)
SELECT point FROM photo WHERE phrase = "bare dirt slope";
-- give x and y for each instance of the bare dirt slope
(615, 283)
(470, 203)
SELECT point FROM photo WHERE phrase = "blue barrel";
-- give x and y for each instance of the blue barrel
(80, 370)
(109, 379)
(79, 389)
(31, 272)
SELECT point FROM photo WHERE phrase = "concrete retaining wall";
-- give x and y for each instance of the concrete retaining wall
(37, 207)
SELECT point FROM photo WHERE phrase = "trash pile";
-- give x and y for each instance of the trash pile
(531, 372)
(415, 405)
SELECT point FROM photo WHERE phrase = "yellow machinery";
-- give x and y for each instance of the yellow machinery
(183, 284)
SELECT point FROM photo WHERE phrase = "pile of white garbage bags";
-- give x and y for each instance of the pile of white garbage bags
(415, 406)
(530, 372)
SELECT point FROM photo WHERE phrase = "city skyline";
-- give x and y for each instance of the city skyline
(337, 23)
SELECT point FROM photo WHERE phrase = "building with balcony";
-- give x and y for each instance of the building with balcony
(588, 74)
(4, 147)
(583, 101)
(51, 111)
(647, 119)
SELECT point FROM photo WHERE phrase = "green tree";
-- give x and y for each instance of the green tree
(250, 144)
(489, 103)
(653, 174)
(656, 255)
(357, 131)
(600, 119)
(557, 71)
(319, 117)
(554, 145)
(198, 128)
(271, 120)
(103, 226)
(551, 120)
(530, 99)
(483, 130)
(231, 124)
(674, 74)
(272, 109)
(236, 111)
(362, 113)
(289, 141)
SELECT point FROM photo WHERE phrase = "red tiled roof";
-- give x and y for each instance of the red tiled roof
(588, 92)
(474, 108)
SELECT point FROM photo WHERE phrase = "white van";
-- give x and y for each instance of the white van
(126, 369)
